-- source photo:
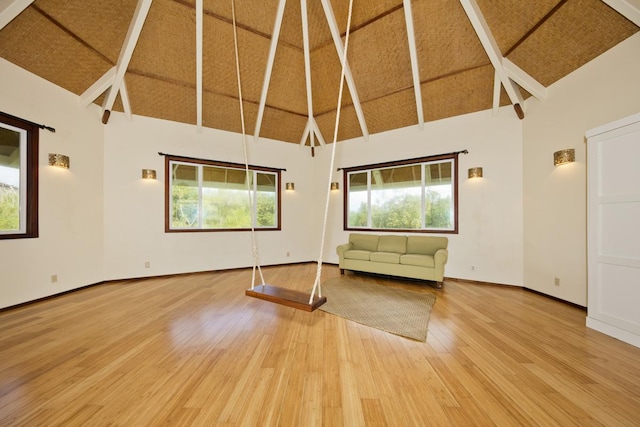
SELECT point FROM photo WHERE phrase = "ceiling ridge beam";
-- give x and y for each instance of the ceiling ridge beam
(490, 46)
(270, 60)
(130, 41)
(413, 54)
(337, 41)
(9, 9)
(626, 9)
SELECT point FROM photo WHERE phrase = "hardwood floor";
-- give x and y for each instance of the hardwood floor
(194, 350)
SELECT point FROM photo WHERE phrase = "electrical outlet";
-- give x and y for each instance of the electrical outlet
(54, 278)
(147, 264)
(473, 268)
(556, 281)
(288, 254)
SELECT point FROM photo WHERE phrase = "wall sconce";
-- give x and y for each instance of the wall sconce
(290, 186)
(564, 156)
(475, 173)
(148, 174)
(59, 160)
(335, 186)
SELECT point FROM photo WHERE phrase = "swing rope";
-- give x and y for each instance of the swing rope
(256, 258)
(316, 285)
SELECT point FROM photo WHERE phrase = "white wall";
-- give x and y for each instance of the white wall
(134, 208)
(490, 209)
(603, 90)
(70, 204)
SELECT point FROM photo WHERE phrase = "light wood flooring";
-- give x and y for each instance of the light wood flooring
(194, 350)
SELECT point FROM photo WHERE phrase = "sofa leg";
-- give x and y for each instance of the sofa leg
(439, 285)
(342, 271)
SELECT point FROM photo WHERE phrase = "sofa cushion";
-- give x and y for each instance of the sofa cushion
(417, 259)
(425, 245)
(357, 254)
(397, 244)
(386, 257)
(364, 242)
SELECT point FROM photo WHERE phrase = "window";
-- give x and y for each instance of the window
(18, 178)
(207, 195)
(412, 195)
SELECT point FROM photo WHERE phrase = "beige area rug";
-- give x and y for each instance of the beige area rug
(393, 310)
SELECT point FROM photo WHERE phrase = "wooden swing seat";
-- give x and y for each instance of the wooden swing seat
(288, 297)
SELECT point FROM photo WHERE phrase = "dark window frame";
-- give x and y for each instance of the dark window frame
(32, 147)
(406, 162)
(206, 162)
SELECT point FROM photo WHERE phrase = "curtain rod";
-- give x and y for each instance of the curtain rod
(49, 128)
(219, 161)
(407, 160)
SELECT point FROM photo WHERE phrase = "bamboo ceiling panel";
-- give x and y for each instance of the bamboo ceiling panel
(514, 18)
(73, 43)
(223, 112)
(156, 98)
(391, 112)
(578, 32)
(38, 45)
(458, 94)
(446, 41)
(91, 20)
(166, 48)
(378, 56)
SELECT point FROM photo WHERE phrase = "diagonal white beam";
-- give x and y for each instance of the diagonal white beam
(497, 85)
(9, 9)
(130, 41)
(525, 81)
(124, 97)
(199, 19)
(270, 60)
(490, 45)
(98, 88)
(627, 8)
(337, 41)
(413, 54)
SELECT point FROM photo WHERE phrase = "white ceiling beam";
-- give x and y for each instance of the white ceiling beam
(497, 85)
(199, 31)
(130, 41)
(124, 97)
(313, 131)
(413, 54)
(490, 46)
(9, 9)
(98, 88)
(337, 41)
(627, 8)
(523, 79)
(270, 60)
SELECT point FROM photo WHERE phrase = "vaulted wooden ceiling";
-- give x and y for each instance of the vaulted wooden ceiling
(409, 62)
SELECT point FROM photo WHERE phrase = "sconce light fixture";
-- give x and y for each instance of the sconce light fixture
(564, 156)
(335, 186)
(475, 173)
(148, 174)
(290, 186)
(59, 160)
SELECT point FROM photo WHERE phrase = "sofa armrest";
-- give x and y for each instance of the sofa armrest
(342, 248)
(440, 258)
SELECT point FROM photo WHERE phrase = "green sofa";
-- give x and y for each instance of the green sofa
(416, 257)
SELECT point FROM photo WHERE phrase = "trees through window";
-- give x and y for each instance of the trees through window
(208, 195)
(18, 178)
(411, 195)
